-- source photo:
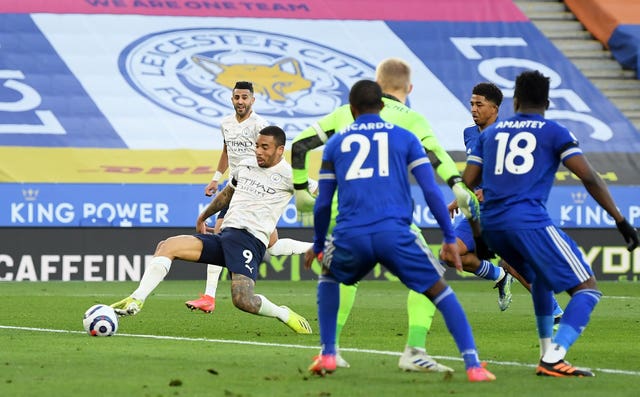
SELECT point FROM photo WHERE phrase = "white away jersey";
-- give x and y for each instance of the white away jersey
(241, 138)
(260, 197)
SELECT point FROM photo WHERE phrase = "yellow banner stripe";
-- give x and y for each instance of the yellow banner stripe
(74, 165)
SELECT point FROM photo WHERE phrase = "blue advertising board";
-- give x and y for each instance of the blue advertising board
(147, 205)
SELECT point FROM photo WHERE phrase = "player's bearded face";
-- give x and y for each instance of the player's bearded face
(242, 101)
(267, 153)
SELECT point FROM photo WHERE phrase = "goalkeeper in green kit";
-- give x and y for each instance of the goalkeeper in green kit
(394, 76)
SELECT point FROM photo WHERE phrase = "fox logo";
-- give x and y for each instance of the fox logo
(275, 81)
(295, 80)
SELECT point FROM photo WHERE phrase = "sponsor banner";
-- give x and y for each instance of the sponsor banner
(186, 166)
(181, 166)
(101, 254)
(152, 205)
(449, 10)
(34, 164)
(181, 70)
(568, 206)
(41, 102)
(108, 205)
(498, 52)
(165, 83)
(623, 171)
(573, 207)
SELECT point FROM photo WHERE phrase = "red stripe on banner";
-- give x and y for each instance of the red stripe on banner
(389, 10)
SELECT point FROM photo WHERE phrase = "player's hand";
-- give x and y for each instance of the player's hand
(482, 251)
(309, 256)
(304, 205)
(449, 253)
(201, 226)
(629, 233)
(210, 230)
(453, 208)
(211, 188)
(467, 201)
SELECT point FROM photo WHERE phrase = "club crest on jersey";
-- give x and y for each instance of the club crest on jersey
(276, 178)
(191, 72)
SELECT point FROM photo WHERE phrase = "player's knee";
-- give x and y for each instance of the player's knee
(590, 284)
(159, 247)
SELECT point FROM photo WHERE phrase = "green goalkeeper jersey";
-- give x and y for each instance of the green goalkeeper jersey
(394, 112)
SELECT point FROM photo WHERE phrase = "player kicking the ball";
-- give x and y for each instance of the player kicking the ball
(239, 131)
(260, 189)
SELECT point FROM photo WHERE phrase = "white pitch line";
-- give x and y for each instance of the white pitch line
(342, 349)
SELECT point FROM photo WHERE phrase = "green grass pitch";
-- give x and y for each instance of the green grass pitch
(167, 350)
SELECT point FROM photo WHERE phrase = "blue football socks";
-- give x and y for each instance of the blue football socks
(328, 302)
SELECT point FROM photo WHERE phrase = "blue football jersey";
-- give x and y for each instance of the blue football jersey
(519, 159)
(371, 162)
(471, 136)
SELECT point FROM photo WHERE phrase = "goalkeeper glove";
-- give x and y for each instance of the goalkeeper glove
(304, 204)
(467, 200)
(629, 233)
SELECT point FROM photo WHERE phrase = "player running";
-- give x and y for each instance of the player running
(516, 161)
(394, 76)
(372, 158)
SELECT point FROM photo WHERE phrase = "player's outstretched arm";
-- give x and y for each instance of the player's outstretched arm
(435, 200)
(322, 213)
(221, 201)
(306, 141)
(303, 143)
(311, 138)
(598, 189)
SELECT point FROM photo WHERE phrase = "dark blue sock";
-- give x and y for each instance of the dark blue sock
(328, 302)
(543, 307)
(458, 326)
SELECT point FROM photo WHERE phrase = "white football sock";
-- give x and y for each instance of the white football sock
(153, 274)
(287, 246)
(545, 344)
(270, 309)
(213, 276)
(554, 354)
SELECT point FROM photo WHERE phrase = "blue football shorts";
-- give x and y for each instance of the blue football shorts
(463, 231)
(401, 251)
(236, 249)
(550, 253)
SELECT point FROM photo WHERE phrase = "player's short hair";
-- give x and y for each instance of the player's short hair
(366, 96)
(276, 132)
(244, 85)
(393, 74)
(489, 91)
(532, 88)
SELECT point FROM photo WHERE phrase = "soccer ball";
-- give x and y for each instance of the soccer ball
(100, 320)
